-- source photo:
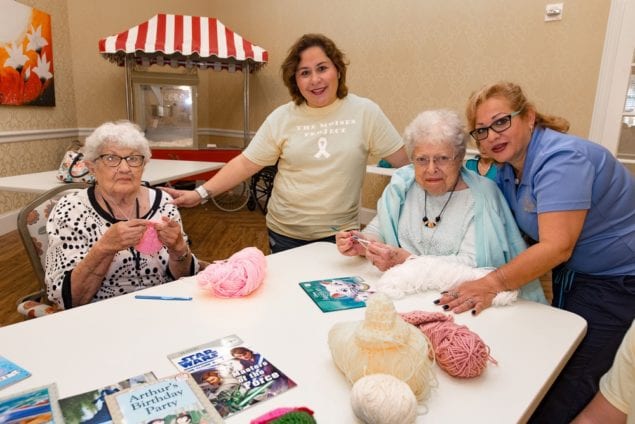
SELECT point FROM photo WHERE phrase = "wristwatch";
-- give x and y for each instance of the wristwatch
(203, 193)
(184, 255)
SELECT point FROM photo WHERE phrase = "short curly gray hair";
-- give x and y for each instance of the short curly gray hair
(121, 134)
(441, 126)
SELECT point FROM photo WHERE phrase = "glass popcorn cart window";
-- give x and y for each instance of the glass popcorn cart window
(164, 105)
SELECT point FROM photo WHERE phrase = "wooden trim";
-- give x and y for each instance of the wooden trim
(34, 135)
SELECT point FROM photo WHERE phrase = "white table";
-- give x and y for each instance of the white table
(99, 344)
(156, 171)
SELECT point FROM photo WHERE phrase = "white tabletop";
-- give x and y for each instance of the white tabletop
(156, 171)
(102, 343)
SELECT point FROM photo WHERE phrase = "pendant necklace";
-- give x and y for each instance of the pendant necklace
(437, 219)
(135, 254)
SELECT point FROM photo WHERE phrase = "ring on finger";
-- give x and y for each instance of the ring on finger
(470, 302)
(454, 294)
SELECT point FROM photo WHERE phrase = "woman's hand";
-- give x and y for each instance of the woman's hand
(385, 256)
(170, 235)
(476, 295)
(122, 235)
(186, 198)
(348, 245)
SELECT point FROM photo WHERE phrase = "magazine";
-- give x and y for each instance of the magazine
(232, 376)
(37, 405)
(11, 372)
(335, 294)
(90, 407)
(171, 400)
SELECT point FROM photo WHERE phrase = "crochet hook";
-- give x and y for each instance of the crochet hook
(148, 297)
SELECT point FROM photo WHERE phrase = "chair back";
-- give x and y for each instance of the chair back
(32, 229)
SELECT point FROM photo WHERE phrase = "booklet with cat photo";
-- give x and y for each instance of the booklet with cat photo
(176, 399)
(232, 375)
(336, 294)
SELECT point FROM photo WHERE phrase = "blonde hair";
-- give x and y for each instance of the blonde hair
(517, 100)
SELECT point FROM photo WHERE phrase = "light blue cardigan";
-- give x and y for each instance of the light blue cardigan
(498, 239)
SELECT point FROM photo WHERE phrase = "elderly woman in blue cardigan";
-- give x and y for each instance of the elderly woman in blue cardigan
(437, 207)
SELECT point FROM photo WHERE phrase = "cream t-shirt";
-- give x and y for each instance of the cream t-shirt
(321, 155)
(618, 384)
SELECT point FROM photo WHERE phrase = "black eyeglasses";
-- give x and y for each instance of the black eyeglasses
(498, 126)
(133, 161)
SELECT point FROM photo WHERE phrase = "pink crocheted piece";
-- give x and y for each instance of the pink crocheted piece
(459, 351)
(149, 243)
(237, 276)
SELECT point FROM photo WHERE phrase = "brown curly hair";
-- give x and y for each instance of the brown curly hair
(517, 100)
(290, 64)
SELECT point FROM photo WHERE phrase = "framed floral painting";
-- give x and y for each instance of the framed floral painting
(26, 56)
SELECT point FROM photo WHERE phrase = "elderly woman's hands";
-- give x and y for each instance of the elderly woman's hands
(476, 295)
(348, 243)
(169, 233)
(385, 256)
(122, 235)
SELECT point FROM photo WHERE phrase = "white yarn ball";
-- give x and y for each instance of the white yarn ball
(383, 399)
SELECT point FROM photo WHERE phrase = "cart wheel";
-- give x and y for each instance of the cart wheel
(234, 199)
(251, 203)
(261, 186)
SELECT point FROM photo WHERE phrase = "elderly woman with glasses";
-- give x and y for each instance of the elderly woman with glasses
(117, 236)
(437, 207)
(576, 203)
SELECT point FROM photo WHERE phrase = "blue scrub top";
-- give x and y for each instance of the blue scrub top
(562, 173)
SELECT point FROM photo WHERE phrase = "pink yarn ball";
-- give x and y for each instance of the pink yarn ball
(237, 276)
(459, 351)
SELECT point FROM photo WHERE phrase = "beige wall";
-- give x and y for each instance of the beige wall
(407, 55)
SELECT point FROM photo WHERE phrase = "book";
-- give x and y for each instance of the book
(171, 400)
(38, 405)
(231, 375)
(11, 372)
(335, 294)
(90, 407)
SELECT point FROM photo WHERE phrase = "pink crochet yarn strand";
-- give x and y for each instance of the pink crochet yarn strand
(459, 351)
(237, 276)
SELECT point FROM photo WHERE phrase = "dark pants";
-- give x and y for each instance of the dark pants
(279, 243)
(608, 306)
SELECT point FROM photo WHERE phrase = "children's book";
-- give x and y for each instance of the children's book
(335, 294)
(90, 407)
(39, 405)
(171, 400)
(232, 376)
(11, 372)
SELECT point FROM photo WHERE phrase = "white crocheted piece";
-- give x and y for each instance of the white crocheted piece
(432, 273)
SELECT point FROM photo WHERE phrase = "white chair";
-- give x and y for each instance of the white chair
(32, 229)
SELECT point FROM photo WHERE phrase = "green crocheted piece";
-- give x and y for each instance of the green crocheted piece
(295, 417)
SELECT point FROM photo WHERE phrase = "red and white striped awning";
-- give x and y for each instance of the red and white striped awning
(180, 40)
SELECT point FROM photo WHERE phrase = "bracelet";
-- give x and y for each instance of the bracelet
(500, 277)
(202, 191)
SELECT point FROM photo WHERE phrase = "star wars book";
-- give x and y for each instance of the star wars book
(231, 375)
(171, 400)
(335, 294)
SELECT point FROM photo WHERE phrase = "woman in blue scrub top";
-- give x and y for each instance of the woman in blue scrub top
(577, 203)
